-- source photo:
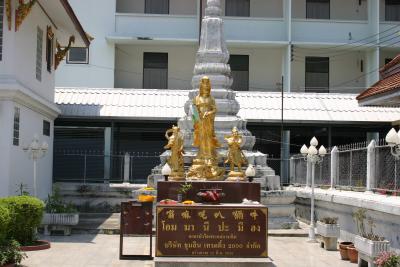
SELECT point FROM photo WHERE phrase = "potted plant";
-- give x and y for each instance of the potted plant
(387, 259)
(59, 215)
(329, 230)
(183, 190)
(368, 243)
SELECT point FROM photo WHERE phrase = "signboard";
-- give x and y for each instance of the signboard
(212, 231)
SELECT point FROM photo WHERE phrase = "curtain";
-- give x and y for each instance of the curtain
(155, 78)
(237, 8)
(157, 7)
(318, 9)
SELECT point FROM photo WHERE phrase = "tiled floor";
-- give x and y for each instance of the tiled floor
(102, 250)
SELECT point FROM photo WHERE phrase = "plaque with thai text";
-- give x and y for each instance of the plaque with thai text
(227, 230)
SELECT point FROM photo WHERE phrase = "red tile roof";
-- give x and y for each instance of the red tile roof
(390, 81)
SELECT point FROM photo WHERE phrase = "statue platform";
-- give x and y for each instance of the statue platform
(235, 191)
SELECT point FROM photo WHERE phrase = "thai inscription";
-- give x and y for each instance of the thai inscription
(212, 231)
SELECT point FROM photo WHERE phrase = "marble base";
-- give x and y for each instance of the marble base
(217, 262)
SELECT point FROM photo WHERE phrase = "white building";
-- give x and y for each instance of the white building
(29, 34)
(315, 45)
(318, 46)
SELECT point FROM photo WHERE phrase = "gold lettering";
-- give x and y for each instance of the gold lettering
(168, 227)
(186, 215)
(223, 228)
(240, 227)
(206, 226)
(255, 228)
(188, 227)
(170, 214)
(254, 214)
(237, 214)
(218, 215)
(202, 214)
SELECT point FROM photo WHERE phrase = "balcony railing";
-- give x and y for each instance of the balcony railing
(156, 26)
(329, 31)
(255, 29)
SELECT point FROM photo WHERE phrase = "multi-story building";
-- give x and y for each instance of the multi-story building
(304, 46)
(32, 36)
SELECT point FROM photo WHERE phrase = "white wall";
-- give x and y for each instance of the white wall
(129, 65)
(340, 9)
(341, 69)
(98, 23)
(264, 66)
(16, 167)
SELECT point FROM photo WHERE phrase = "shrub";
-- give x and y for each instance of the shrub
(54, 203)
(387, 259)
(10, 253)
(26, 214)
(4, 223)
(329, 220)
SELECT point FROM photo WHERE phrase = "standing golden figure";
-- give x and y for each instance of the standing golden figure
(205, 165)
(175, 161)
(235, 156)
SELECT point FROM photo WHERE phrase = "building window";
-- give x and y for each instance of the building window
(155, 70)
(318, 9)
(39, 47)
(237, 8)
(387, 60)
(49, 48)
(16, 126)
(392, 10)
(1, 28)
(78, 55)
(156, 7)
(240, 72)
(46, 128)
(317, 74)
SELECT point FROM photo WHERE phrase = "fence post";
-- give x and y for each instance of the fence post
(308, 173)
(126, 167)
(371, 183)
(292, 171)
(334, 167)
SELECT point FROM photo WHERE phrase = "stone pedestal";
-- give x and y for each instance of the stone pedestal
(281, 209)
(329, 243)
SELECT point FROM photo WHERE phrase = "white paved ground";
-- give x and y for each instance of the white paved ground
(102, 251)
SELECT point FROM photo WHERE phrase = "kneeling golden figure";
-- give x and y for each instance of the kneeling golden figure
(235, 156)
(205, 165)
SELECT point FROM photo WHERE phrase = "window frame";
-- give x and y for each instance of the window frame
(49, 49)
(387, 6)
(39, 54)
(248, 70)
(68, 61)
(329, 11)
(167, 69)
(45, 123)
(245, 16)
(312, 90)
(16, 126)
(168, 10)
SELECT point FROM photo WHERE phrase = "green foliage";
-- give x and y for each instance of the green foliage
(4, 223)
(184, 188)
(26, 214)
(55, 204)
(329, 220)
(10, 253)
(359, 216)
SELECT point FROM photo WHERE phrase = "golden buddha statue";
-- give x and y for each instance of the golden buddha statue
(175, 161)
(235, 156)
(205, 164)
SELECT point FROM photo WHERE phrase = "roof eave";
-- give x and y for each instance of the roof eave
(76, 22)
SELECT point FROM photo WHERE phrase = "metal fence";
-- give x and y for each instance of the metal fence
(84, 167)
(351, 168)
